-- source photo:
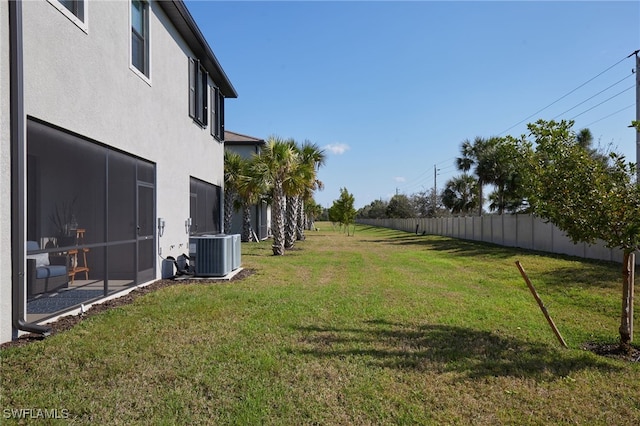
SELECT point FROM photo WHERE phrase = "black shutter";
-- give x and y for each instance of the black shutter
(192, 87)
(221, 115)
(205, 94)
(214, 110)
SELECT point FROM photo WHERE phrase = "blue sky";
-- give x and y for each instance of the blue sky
(391, 89)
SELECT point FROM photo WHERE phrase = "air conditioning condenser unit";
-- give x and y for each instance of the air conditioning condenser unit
(214, 255)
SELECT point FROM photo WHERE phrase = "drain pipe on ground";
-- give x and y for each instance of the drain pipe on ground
(17, 119)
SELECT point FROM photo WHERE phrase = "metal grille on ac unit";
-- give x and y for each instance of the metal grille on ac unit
(214, 255)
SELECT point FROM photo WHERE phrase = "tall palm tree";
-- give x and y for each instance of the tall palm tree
(250, 188)
(479, 155)
(314, 158)
(507, 176)
(274, 163)
(293, 187)
(233, 165)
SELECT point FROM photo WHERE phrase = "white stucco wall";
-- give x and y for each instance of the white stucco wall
(5, 179)
(82, 81)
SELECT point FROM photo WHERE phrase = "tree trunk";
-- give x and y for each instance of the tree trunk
(246, 223)
(277, 219)
(291, 222)
(301, 226)
(480, 197)
(626, 323)
(228, 210)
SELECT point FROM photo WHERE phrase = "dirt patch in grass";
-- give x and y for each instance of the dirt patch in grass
(67, 322)
(613, 350)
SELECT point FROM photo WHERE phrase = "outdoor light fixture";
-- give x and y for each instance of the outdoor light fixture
(160, 227)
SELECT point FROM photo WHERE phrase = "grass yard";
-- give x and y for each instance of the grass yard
(383, 327)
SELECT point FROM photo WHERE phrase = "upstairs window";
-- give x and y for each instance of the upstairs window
(198, 91)
(140, 36)
(76, 7)
(74, 10)
(217, 114)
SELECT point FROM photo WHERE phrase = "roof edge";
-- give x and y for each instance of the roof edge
(176, 9)
(242, 139)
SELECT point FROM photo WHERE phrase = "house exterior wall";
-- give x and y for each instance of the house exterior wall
(79, 78)
(82, 81)
(5, 179)
(245, 151)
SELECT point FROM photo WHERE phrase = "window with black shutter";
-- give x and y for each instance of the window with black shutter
(217, 114)
(198, 92)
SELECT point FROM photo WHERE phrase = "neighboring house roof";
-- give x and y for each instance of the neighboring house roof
(233, 138)
(177, 11)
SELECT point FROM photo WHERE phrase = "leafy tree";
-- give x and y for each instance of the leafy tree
(400, 206)
(461, 194)
(342, 210)
(377, 209)
(428, 203)
(585, 198)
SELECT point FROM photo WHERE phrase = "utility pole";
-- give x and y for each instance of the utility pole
(637, 114)
(435, 189)
(435, 179)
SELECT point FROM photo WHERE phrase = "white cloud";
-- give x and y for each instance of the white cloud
(337, 148)
(399, 179)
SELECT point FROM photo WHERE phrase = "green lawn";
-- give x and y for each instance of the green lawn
(383, 327)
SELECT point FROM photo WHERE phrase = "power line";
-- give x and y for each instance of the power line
(612, 114)
(588, 99)
(564, 96)
(413, 182)
(446, 161)
(606, 100)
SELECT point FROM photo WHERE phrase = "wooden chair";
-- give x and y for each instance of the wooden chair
(74, 258)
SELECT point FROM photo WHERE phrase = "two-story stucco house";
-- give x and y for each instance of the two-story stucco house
(112, 130)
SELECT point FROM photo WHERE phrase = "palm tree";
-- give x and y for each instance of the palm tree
(460, 194)
(313, 157)
(312, 210)
(250, 188)
(479, 154)
(233, 165)
(584, 138)
(507, 176)
(274, 163)
(293, 187)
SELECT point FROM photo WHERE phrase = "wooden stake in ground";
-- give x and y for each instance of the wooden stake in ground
(542, 307)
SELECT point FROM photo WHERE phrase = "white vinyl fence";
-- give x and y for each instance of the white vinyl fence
(523, 231)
